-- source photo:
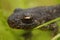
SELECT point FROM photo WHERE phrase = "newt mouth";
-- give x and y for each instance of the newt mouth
(26, 26)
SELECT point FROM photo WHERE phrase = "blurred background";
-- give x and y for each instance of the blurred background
(6, 9)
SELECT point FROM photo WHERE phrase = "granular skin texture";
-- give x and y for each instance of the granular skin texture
(39, 15)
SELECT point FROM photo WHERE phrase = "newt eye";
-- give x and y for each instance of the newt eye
(27, 17)
(27, 20)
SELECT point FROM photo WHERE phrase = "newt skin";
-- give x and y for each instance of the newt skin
(36, 16)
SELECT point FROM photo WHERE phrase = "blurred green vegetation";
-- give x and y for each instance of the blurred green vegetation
(7, 7)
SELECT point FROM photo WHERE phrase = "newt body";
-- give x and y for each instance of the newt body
(28, 19)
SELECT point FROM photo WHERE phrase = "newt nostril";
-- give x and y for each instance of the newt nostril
(27, 20)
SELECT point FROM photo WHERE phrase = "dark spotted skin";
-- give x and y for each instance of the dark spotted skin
(39, 15)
